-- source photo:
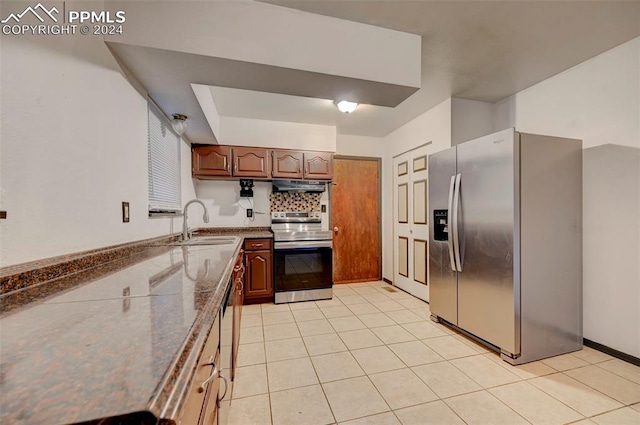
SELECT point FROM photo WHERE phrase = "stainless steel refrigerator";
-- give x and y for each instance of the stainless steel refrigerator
(505, 244)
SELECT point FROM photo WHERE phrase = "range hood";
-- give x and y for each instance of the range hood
(298, 186)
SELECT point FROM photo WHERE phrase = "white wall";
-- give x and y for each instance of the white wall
(432, 126)
(74, 146)
(470, 119)
(276, 134)
(598, 101)
(227, 208)
(360, 145)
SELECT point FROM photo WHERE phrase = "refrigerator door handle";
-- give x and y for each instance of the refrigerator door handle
(450, 225)
(456, 233)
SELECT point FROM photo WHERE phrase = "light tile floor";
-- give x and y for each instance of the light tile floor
(373, 357)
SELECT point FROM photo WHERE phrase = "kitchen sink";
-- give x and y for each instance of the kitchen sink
(207, 240)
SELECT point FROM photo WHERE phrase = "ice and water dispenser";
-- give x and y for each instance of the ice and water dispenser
(441, 225)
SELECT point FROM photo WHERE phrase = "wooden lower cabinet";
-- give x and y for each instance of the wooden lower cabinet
(238, 301)
(259, 271)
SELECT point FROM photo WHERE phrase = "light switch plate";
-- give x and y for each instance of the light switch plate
(125, 212)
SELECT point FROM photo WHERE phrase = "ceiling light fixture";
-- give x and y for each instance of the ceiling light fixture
(179, 123)
(346, 107)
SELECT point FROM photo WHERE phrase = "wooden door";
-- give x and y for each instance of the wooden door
(259, 274)
(411, 221)
(287, 164)
(355, 217)
(250, 162)
(211, 161)
(318, 165)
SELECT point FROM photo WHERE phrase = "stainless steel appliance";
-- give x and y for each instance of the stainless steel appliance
(505, 244)
(302, 257)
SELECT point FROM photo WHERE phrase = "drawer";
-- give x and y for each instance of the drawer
(257, 244)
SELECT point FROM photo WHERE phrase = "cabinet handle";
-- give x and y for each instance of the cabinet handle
(226, 386)
(257, 245)
(214, 373)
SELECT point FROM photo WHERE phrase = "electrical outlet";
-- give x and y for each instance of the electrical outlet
(323, 208)
(249, 212)
(125, 212)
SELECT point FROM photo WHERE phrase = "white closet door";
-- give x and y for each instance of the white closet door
(411, 221)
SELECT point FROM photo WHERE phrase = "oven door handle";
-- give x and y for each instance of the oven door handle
(303, 244)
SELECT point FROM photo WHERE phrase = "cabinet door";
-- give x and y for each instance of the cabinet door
(259, 274)
(238, 299)
(318, 165)
(287, 164)
(250, 162)
(211, 161)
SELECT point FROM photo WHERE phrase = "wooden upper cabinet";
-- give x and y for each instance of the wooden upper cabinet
(287, 164)
(318, 165)
(211, 161)
(250, 162)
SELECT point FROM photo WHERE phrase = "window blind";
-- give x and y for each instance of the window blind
(164, 164)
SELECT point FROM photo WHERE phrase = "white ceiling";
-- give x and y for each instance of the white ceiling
(481, 50)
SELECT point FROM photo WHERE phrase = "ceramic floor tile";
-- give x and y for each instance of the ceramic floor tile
(324, 344)
(349, 323)
(433, 413)
(524, 371)
(564, 362)
(336, 311)
(387, 418)
(304, 305)
(362, 338)
(445, 379)
(449, 347)
(626, 416)
(400, 295)
(251, 354)
(354, 398)
(402, 388)
(423, 330)
(336, 366)
(289, 374)
(584, 422)
(423, 312)
(485, 372)
(308, 314)
(251, 309)
(482, 408)
(412, 303)
(471, 343)
(622, 368)
(282, 331)
(352, 299)
(250, 381)
(251, 320)
(339, 291)
(636, 406)
(306, 405)
(387, 305)
(277, 318)
(415, 353)
(334, 302)
(251, 335)
(275, 308)
(590, 355)
(315, 327)
(393, 334)
(364, 308)
(535, 405)
(285, 349)
(376, 320)
(377, 359)
(378, 297)
(365, 290)
(575, 394)
(404, 316)
(254, 410)
(614, 386)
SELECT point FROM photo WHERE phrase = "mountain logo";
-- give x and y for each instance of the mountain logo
(34, 11)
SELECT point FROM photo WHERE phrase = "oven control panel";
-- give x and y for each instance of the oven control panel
(296, 217)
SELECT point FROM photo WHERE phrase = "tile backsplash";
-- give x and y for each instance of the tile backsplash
(295, 202)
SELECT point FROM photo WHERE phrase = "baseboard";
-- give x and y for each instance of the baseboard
(384, 279)
(612, 352)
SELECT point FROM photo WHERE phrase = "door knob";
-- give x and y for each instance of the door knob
(335, 229)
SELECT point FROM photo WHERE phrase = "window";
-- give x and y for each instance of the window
(164, 165)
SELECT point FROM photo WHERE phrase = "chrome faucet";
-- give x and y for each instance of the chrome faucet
(185, 226)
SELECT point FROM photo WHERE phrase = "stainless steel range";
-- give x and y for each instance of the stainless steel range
(303, 257)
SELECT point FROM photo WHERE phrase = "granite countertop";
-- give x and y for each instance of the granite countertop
(121, 341)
